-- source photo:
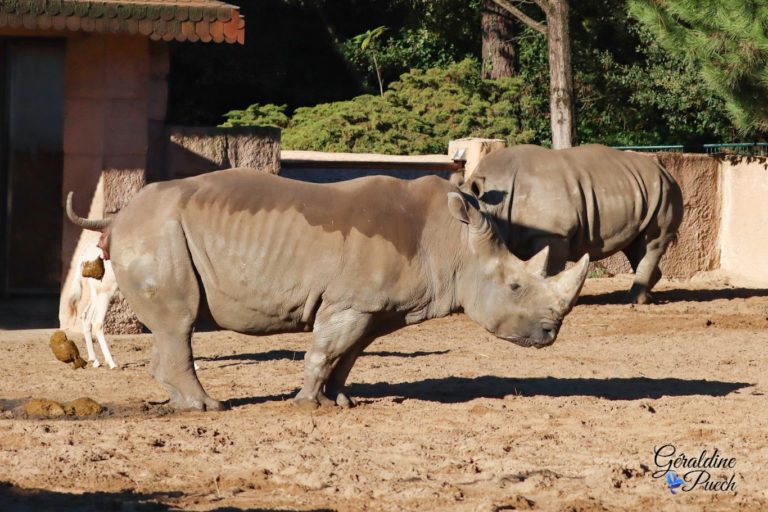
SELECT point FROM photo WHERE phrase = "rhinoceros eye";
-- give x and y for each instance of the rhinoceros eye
(514, 287)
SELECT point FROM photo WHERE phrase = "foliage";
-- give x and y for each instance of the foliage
(423, 34)
(419, 114)
(628, 89)
(367, 42)
(257, 115)
(417, 48)
(727, 43)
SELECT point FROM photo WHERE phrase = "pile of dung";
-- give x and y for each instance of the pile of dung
(50, 409)
(43, 407)
(94, 269)
(66, 351)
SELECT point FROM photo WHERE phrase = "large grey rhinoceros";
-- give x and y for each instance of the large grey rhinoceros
(589, 199)
(349, 261)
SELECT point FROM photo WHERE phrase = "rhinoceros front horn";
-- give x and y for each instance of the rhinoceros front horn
(568, 283)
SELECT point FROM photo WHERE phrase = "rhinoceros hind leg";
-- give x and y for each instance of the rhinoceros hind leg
(175, 371)
(644, 257)
(336, 334)
(162, 288)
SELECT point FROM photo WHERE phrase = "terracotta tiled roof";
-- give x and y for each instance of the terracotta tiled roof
(180, 20)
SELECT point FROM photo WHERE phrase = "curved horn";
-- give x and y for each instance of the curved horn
(89, 224)
(569, 282)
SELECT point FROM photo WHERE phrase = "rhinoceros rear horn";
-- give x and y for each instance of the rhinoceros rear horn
(538, 264)
(569, 282)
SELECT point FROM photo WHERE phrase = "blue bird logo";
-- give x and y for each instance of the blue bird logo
(674, 481)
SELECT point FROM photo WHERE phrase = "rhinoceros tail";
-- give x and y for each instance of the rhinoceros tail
(89, 224)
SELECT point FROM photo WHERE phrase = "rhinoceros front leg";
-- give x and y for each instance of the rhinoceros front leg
(335, 386)
(337, 334)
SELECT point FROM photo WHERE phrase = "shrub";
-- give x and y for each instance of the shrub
(418, 114)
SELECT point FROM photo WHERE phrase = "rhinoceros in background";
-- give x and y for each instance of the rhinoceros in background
(585, 200)
(350, 261)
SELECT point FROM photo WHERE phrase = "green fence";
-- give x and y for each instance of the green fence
(739, 148)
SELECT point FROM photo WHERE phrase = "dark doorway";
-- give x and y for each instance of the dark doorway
(31, 165)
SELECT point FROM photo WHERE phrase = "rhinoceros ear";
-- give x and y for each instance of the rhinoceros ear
(464, 211)
(457, 178)
(458, 207)
(476, 186)
(538, 264)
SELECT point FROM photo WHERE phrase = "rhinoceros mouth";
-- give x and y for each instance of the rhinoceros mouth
(528, 342)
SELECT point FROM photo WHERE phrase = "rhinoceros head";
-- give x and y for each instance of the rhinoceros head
(511, 298)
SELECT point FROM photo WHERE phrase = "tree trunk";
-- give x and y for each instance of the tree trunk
(560, 76)
(499, 53)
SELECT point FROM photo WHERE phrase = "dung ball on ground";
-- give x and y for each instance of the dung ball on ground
(43, 407)
(83, 406)
(65, 350)
(94, 269)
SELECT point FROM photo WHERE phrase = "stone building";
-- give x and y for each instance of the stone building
(83, 89)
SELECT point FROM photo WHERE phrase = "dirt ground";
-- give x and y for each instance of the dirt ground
(450, 418)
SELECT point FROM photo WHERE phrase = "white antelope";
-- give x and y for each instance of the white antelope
(101, 292)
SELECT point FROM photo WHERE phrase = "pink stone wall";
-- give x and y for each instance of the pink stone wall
(115, 94)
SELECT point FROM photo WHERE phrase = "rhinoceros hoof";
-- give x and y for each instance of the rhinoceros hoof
(307, 404)
(191, 404)
(345, 401)
(641, 298)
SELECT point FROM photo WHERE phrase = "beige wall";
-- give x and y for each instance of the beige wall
(696, 248)
(744, 225)
(726, 219)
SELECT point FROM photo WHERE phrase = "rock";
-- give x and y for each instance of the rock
(66, 351)
(43, 407)
(83, 406)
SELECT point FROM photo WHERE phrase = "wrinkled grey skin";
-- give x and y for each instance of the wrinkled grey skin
(349, 261)
(586, 200)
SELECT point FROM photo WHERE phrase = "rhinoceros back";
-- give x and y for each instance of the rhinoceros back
(596, 197)
(269, 250)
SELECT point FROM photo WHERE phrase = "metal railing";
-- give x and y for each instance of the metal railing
(677, 148)
(739, 148)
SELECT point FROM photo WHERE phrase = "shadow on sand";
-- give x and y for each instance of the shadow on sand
(460, 389)
(668, 296)
(452, 390)
(298, 355)
(15, 499)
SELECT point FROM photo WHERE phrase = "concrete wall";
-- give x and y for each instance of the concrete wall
(744, 227)
(320, 167)
(189, 151)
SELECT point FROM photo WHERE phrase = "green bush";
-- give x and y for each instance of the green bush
(257, 115)
(419, 114)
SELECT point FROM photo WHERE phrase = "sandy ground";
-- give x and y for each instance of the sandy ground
(450, 417)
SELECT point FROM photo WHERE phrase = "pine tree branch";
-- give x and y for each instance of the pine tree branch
(520, 15)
